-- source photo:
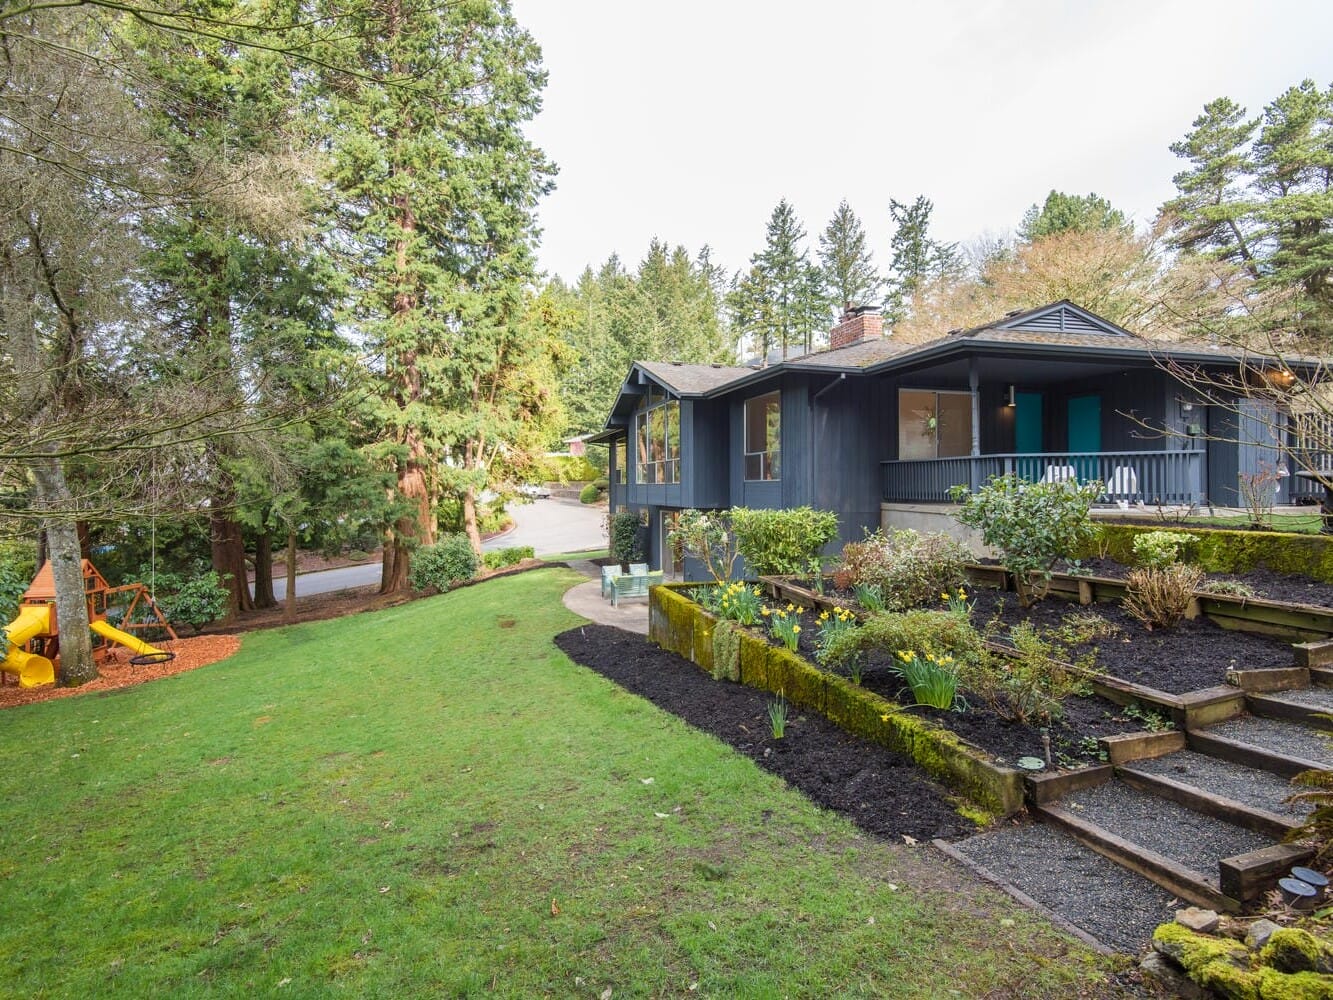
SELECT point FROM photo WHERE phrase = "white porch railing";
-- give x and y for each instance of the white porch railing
(1151, 477)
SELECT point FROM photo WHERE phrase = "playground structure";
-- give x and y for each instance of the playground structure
(33, 639)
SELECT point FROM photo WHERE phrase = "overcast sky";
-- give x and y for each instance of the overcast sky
(689, 119)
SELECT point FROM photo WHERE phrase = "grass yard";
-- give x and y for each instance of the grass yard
(432, 801)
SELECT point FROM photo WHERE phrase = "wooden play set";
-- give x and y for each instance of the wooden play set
(33, 644)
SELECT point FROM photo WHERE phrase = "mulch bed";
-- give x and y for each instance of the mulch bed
(1293, 588)
(1188, 657)
(883, 792)
(117, 672)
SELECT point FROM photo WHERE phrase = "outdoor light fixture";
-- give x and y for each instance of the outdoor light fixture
(1010, 400)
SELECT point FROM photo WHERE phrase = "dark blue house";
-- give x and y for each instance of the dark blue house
(879, 431)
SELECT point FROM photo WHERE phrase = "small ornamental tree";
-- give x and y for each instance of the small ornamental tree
(1032, 525)
(774, 542)
(707, 536)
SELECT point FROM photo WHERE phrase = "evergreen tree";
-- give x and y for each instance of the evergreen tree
(917, 258)
(1209, 216)
(1062, 213)
(750, 306)
(439, 185)
(1259, 194)
(849, 274)
(786, 270)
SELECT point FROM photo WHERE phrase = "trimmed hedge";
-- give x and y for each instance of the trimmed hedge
(1219, 550)
(681, 626)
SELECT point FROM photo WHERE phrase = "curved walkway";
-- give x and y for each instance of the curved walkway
(586, 599)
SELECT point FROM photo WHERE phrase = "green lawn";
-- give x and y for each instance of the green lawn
(433, 801)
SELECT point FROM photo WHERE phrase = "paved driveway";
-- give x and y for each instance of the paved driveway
(549, 526)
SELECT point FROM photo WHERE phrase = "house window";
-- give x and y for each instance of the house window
(934, 424)
(763, 437)
(620, 461)
(657, 440)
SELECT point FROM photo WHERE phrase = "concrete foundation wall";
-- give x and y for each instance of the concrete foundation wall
(928, 517)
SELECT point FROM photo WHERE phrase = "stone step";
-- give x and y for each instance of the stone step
(1119, 909)
(1286, 748)
(1309, 706)
(1164, 840)
(1247, 796)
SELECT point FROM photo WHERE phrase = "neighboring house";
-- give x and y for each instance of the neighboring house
(879, 431)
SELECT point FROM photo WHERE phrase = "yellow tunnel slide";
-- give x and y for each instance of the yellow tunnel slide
(31, 669)
(140, 647)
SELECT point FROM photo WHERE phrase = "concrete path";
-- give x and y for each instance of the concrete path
(586, 600)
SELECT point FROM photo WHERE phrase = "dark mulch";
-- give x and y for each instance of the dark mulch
(1190, 656)
(1293, 588)
(883, 792)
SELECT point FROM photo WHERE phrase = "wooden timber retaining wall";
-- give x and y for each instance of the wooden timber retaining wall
(678, 624)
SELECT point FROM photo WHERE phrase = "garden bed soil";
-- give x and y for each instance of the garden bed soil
(881, 791)
(1292, 588)
(1188, 657)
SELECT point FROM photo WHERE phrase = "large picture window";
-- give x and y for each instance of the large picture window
(763, 437)
(657, 441)
(934, 424)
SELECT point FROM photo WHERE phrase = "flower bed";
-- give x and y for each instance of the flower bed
(679, 624)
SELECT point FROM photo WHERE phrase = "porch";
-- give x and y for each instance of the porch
(1149, 477)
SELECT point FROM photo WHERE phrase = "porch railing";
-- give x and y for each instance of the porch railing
(1151, 477)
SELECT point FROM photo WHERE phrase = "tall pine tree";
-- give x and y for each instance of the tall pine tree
(849, 274)
(916, 258)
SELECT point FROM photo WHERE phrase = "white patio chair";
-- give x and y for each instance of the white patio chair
(1123, 487)
(638, 569)
(1060, 474)
(609, 574)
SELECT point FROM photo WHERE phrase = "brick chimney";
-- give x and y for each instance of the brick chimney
(857, 324)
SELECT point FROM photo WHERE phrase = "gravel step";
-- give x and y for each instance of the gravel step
(1248, 785)
(1117, 907)
(1312, 706)
(1187, 838)
(1278, 736)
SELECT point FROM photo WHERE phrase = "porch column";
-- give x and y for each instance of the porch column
(973, 381)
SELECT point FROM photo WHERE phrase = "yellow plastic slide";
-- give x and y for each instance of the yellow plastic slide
(140, 647)
(32, 669)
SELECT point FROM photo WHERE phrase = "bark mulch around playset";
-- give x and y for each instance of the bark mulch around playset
(117, 672)
(881, 791)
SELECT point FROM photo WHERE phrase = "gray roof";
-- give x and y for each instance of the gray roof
(693, 380)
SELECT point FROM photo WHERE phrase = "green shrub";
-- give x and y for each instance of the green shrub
(1032, 524)
(1318, 826)
(590, 493)
(1160, 595)
(196, 602)
(444, 564)
(910, 569)
(927, 632)
(500, 558)
(774, 542)
(568, 469)
(1159, 549)
(1029, 685)
(17, 568)
(625, 537)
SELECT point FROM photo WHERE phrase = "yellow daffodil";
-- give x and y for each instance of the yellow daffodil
(796, 628)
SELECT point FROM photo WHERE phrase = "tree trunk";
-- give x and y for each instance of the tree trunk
(76, 651)
(264, 572)
(289, 605)
(470, 520)
(411, 530)
(229, 562)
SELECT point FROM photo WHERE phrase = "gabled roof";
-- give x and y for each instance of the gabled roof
(1060, 329)
(692, 380)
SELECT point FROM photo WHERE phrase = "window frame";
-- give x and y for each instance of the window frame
(656, 423)
(769, 458)
(936, 435)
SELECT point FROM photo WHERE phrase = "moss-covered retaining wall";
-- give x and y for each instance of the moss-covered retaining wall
(1222, 551)
(678, 624)
(1293, 965)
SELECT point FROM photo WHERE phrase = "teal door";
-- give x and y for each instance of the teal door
(1027, 423)
(1085, 433)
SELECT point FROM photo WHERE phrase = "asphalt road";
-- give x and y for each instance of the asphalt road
(549, 526)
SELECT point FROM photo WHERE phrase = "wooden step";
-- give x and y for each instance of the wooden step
(1305, 706)
(1251, 817)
